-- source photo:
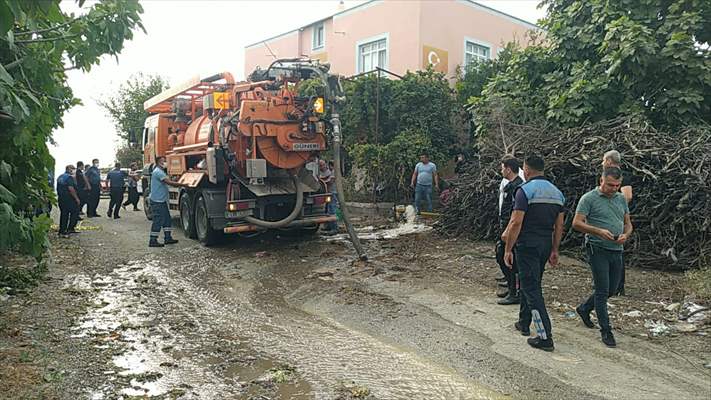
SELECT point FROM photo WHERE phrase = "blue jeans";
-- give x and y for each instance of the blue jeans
(607, 270)
(331, 210)
(161, 219)
(423, 192)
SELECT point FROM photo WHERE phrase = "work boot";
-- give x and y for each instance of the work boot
(585, 316)
(609, 339)
(170, 240)
(509, 299)
(525, 331)
(538, 343)
(155, 243)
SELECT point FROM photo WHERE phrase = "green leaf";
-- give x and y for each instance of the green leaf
(6, 17)
(5, 172)
(5, 76)
(21, 103)
(6, 196)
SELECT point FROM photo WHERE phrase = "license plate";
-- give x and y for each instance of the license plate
(306, 146)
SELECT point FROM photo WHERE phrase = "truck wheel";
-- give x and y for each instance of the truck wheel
(205, 234)
(187, 216)
(147, 206)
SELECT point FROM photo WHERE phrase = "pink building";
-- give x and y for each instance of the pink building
(396, 35)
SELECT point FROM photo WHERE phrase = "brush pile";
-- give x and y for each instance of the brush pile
(670, 174)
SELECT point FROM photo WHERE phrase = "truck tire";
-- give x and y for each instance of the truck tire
(203, 228)
(187, 216)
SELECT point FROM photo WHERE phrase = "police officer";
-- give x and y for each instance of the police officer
(511, 181)
(68, 200)
(94, 176)
(535, 228)
(115, 180)
(159, 204)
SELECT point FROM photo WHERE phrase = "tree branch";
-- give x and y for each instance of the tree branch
(54, 39)
(40, 31)
(13, 64)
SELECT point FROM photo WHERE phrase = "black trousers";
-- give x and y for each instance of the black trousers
(83, 198)
(132, 197)
(92, 201)
(532, 259)
(115, 202)
(606, 267)
(511, 274)
(68, 214)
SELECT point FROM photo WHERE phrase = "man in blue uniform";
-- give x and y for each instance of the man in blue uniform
(94, 176)
(116, 180)
(68, 202)
(159, 204)
(535, 228)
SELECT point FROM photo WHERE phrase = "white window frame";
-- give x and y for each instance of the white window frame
(386, 36)
(314, 37)
(478, 43)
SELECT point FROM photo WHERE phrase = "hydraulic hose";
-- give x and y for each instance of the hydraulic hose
(286, 221)
(336, 122)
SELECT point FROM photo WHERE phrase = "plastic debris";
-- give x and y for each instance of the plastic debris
(633, 314)
(657, 328)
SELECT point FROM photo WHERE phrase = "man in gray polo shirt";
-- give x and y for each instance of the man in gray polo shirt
(602, 214)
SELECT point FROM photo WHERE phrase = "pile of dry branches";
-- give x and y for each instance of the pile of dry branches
(670, 174)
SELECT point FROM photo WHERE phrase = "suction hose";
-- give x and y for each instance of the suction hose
(336, 122)
(286, 221)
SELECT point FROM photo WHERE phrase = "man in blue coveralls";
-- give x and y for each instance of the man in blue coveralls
(159, 204)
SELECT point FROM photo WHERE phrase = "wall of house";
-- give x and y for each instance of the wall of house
(416, 31)
(463, 19)
(284, 46)
(398, 20)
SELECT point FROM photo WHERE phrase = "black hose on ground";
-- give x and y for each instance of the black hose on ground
(336, 122)
(286, 221)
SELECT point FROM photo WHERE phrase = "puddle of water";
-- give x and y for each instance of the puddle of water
(169, 353)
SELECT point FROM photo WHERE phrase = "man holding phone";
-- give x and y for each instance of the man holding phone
(603, 215)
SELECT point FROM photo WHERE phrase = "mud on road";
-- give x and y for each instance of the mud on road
(297, 318)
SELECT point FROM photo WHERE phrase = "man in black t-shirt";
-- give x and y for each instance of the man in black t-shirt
(83, 186)
(510, 172)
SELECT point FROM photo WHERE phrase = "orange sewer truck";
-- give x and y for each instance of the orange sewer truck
(241, 148)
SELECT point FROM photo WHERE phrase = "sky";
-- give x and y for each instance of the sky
(187, 38)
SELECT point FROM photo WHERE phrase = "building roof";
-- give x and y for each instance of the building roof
(350, 10)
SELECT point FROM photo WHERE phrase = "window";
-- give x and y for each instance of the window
(373, 54)
(318, 37)
(475, 52)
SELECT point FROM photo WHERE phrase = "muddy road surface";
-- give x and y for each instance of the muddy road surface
(286, 316)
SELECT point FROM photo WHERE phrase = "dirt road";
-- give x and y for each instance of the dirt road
(296, 318)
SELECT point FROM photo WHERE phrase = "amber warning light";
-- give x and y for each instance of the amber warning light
(318, 105)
